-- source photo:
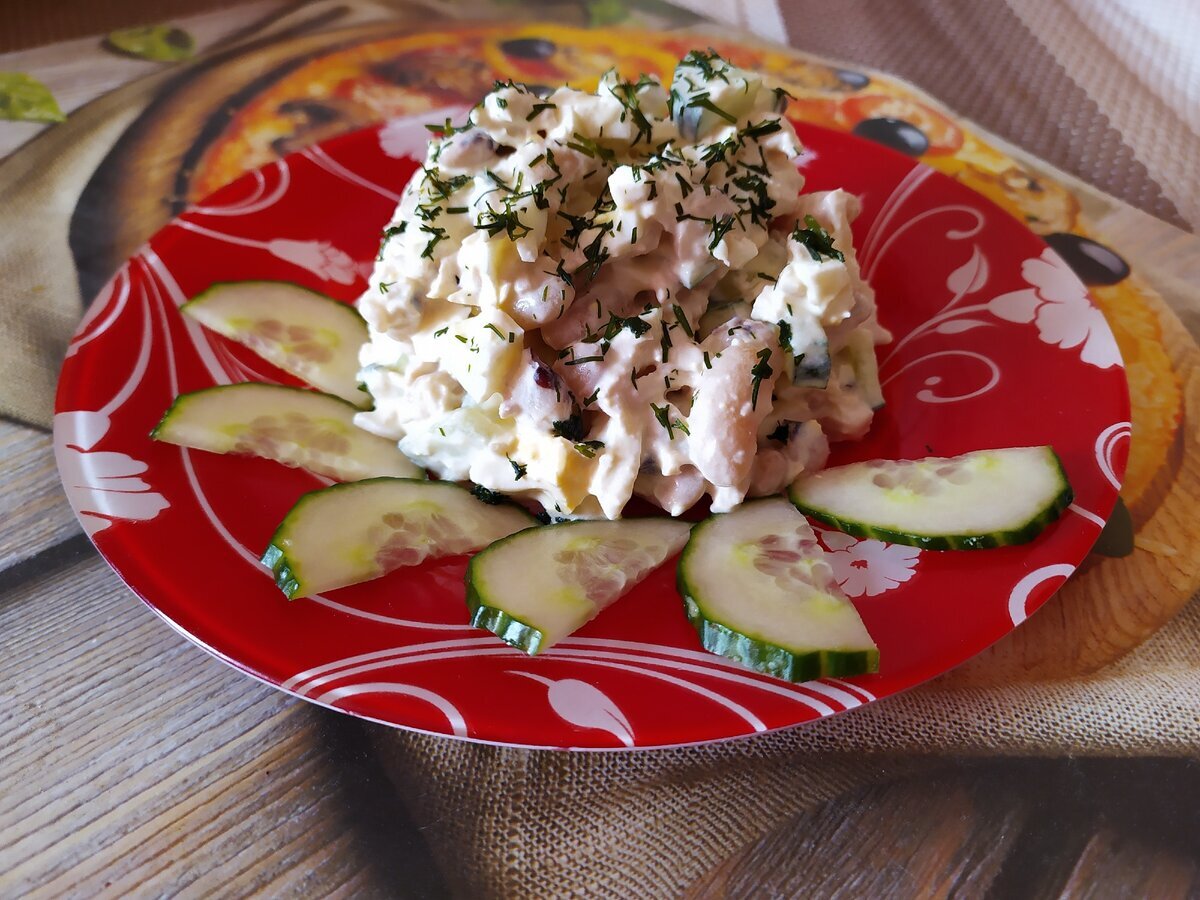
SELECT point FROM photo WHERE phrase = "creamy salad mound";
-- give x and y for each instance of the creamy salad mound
(582, 297)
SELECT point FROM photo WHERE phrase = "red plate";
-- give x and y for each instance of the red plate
(997, 344)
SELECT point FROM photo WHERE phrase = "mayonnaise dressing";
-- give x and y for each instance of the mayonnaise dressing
(582, 297)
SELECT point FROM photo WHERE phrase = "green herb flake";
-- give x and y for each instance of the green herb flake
(762, 369)
(663, 414)
(518, 468)
(389, 233)
(25, 99)
(785, 333)
(159, 43)
(538, 109)
(492, 498)
(682, 319)
(570, 428)
(589, 147)
(438, 235)
(816, 240)
(441, 331)
(589, 448)
(448, 128)
(720, 227)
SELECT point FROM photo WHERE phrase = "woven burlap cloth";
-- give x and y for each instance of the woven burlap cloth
(1104, 92)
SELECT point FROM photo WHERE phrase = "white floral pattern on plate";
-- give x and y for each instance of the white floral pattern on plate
(321, 258)
(101, 485)
(1058, 303)
(584, 706)
(867, 568)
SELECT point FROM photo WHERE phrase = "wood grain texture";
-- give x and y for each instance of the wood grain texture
(33, 507)
(1116, 865)
(928, 837)
(1033, 829)
(135, 763)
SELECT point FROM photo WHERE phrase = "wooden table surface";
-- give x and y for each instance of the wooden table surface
(133, 763)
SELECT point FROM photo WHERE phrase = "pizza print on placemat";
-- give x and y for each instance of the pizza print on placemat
(428, 76)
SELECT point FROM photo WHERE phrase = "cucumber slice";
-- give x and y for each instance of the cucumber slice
(289, 425)
(987, 498)
(536, 587)
(757, 588)
(307, 334)
(354, 532)
(694, 108)
(860, 351)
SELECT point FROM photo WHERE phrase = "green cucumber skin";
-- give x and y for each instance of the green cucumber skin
(509, 629)
(763, 656)
(275, 558)
(286, 578)
(989, 541)
(771, 659)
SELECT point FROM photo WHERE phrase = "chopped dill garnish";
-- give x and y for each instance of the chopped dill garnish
(785, 334)
(388, 234)
(762, 369)
(494, 498)
(589, 448)
(538, 109)
(682, 319)
(570, 428)
(589, 147)
(616, 324)
(439, 235)
(816, 240)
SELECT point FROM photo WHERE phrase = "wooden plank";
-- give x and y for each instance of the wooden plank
(134, 762)
(34, 513)
(931, 836)
(1121, 865)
